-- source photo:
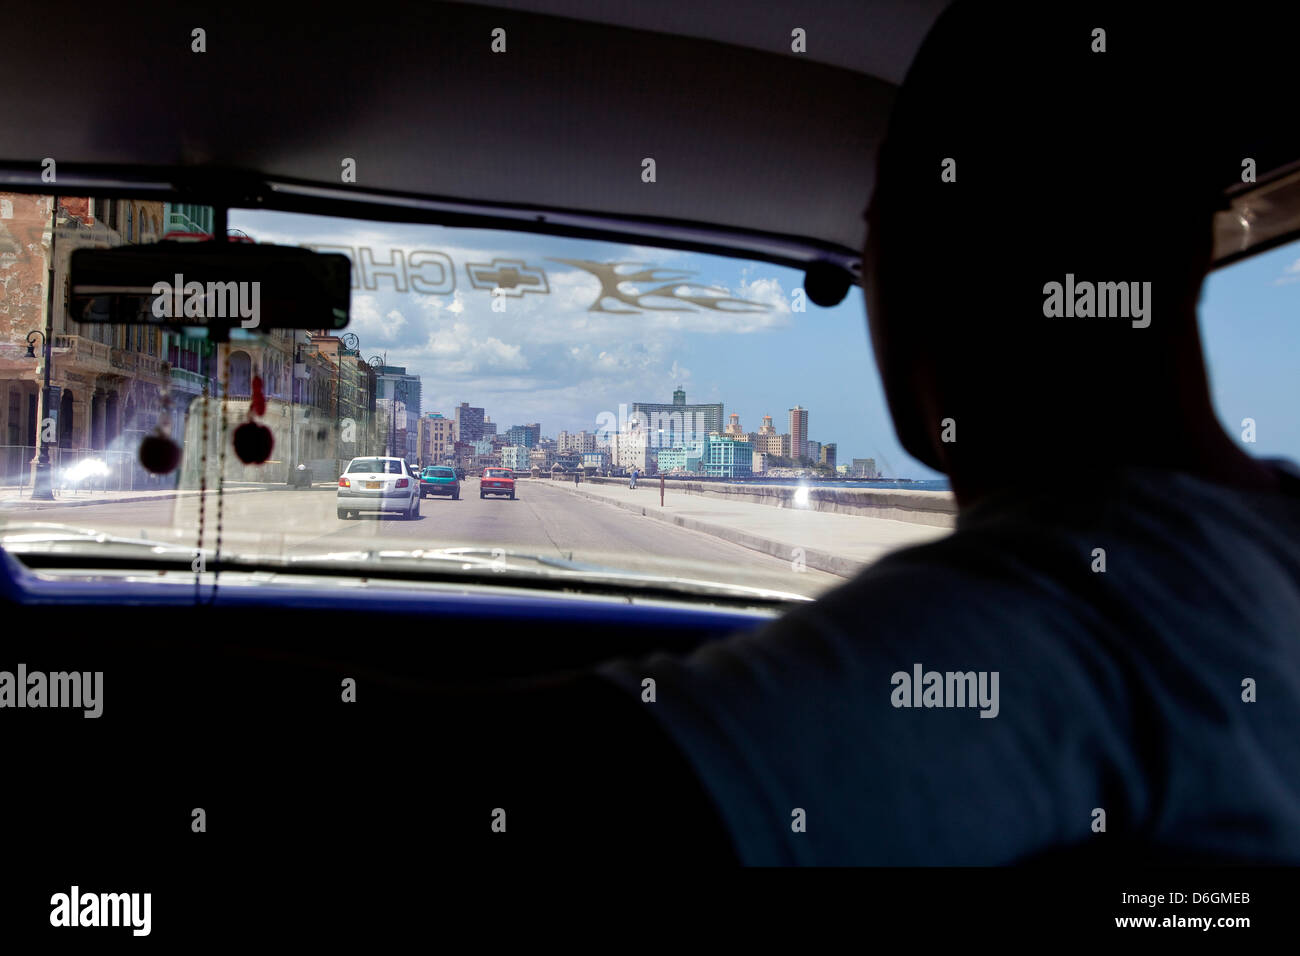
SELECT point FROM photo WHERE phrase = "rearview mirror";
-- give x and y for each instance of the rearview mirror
(219, 286)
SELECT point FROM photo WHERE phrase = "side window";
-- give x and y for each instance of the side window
(1251, 337)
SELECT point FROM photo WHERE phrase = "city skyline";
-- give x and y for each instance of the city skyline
(564, 356)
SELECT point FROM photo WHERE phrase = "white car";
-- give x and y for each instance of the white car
(378, 484)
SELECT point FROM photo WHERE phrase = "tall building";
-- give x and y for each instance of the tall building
(392, 382)
(798, 432)
(828, 454)
(394, 427)
(468, 422)
(679, 422)
(813, 450)
(489, 426)
(733, 427)
(396, 386)
(632, 449)
(526, 435)
(581, 442)
(436, 442)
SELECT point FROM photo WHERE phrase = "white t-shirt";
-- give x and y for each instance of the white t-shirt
(1162, 691)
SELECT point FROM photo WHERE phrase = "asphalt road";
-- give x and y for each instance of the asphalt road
(538, 522)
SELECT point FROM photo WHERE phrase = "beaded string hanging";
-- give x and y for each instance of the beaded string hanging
(203, 491)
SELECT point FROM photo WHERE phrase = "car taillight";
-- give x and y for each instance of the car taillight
(403, 483)
(344, 483)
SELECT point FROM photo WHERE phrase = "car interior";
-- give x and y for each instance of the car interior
(227, 679)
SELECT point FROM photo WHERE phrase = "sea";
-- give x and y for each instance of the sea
(920, 484)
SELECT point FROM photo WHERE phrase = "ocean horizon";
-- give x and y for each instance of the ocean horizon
(918, 484)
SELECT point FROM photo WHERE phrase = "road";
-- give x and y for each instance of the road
(539, 521)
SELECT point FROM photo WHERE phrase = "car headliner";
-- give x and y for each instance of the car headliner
(759, 151)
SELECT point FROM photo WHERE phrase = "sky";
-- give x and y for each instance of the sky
(1250, 326)
(556, 358)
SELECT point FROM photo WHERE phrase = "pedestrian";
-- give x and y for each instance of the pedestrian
(632, 483)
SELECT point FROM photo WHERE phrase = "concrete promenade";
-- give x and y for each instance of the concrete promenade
(838, 543)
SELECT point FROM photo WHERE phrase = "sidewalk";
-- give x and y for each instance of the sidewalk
(13, 498)
(836, 543)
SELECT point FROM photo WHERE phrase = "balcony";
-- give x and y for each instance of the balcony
(188, 381)
(136, 362)
(82, 350)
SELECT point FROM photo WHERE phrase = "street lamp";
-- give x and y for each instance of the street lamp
(294, 453)
(377, 363)
(41, 486)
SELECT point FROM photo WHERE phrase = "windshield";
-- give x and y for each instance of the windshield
(660, 413)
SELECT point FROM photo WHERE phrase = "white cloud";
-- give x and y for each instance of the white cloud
(545, 358)
(1290, 274)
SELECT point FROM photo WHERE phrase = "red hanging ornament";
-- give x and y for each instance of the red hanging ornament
(159, 454)
(258, 405)
(253, 441)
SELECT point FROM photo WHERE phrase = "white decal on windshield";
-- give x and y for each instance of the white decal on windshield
(671, 287)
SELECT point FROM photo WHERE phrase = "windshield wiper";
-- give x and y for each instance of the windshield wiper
(499, 561)
(47, 544)
(28, 536)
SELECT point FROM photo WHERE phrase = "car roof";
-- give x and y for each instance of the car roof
(768, 152)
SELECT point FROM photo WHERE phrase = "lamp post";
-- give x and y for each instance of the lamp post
(293, 400)
(376, 364)
(400, 394)
(41, 487)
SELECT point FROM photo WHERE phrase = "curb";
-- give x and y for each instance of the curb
(26, 504)
(813, 558)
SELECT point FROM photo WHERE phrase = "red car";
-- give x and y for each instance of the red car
(497, 481)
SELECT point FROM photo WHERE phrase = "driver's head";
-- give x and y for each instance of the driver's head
(1060, 161)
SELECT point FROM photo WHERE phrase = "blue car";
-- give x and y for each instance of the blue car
(439, 480)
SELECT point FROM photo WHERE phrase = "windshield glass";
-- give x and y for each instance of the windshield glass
(660, 412)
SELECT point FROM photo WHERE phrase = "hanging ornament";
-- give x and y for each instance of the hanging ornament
(254, 441)
(258, 405)
(158, 453)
